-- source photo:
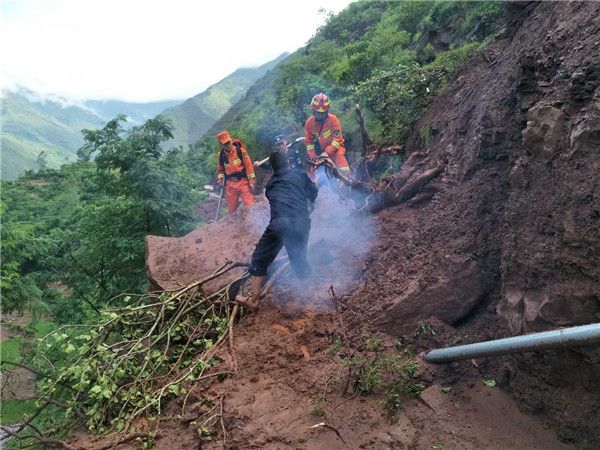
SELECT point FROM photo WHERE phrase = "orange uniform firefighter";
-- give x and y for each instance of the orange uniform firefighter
(323, 133)
(235, 170)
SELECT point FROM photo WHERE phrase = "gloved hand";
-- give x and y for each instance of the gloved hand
(324, 155)
(220, 181)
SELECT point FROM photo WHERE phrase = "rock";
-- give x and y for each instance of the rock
(177, 262)
(545, 130)
(518, 174)
(449, 299)
(585, 134)
(434, 397)
(548, 308)
(17, 384)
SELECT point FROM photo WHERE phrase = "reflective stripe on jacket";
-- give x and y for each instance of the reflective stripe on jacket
(329, 136)
(233, 164)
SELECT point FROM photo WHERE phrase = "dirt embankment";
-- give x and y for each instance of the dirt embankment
(511, 243)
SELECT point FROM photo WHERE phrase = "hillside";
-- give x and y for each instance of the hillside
(196, 115)
(30, 127)
(137, 113)
(32, 123)
(390, 56)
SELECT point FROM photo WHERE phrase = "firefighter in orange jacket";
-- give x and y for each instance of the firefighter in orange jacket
(323, 133)
(236, 171)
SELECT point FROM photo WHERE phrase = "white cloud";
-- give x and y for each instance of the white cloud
(142, 50)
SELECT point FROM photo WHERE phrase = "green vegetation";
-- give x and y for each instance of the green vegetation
(196, 115)
(30, 127)
(12, 411)
(10, 349)
(390, 56)
(389, 374)
(73, 238)
(319, 407)
(373, 342)
(33, 124)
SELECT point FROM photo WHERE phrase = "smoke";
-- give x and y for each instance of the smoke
(339, 242)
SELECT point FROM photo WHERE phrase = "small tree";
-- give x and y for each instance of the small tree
(130, 164)
(42, 160)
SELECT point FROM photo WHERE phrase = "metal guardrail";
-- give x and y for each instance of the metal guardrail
(581, 335)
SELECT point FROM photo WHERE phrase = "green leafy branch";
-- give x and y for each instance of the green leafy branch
(143, 351)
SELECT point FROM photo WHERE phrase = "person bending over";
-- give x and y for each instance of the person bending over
(290, 193)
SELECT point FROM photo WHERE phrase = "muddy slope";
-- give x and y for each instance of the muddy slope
(511, 243)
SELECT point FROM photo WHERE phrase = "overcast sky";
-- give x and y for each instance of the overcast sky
(145, 50)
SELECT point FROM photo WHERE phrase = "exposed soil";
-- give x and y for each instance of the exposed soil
(511, 241)
(291, 389)
(283, 390)
(16, 383)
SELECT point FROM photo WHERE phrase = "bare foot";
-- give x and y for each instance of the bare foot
(247, 301)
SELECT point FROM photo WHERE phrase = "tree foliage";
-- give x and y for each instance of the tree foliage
(84, 225)
(363, 54)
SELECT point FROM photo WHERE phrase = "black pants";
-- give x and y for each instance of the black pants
(288, 232)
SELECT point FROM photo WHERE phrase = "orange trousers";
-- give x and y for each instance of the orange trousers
(339, 158)
(234, 189)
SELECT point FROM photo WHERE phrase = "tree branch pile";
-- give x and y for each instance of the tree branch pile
(143, 351)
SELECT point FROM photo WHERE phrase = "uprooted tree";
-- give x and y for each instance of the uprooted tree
(411, 185)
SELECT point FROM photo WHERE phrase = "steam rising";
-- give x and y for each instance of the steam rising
(339, 242)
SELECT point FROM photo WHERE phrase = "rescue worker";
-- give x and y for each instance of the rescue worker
(294, 152)
(289, 193)
(323, 133)
(235, 171)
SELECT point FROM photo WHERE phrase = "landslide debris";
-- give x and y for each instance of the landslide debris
(510, 242)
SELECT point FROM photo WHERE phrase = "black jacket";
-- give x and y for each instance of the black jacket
(289, 192)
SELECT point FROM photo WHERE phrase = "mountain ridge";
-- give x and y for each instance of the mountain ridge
(197, 114)
(33, 123)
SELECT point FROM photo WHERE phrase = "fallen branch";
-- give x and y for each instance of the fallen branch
(126, 439)
(39, 440)
(397, 189)
(338, 313)
(143, 351)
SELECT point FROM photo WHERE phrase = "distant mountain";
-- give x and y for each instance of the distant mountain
(137, 113)
(32, 123)
(196, 115)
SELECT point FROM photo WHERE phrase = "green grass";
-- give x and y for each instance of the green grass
(13, 411)
(10, 350)
(42, 327)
